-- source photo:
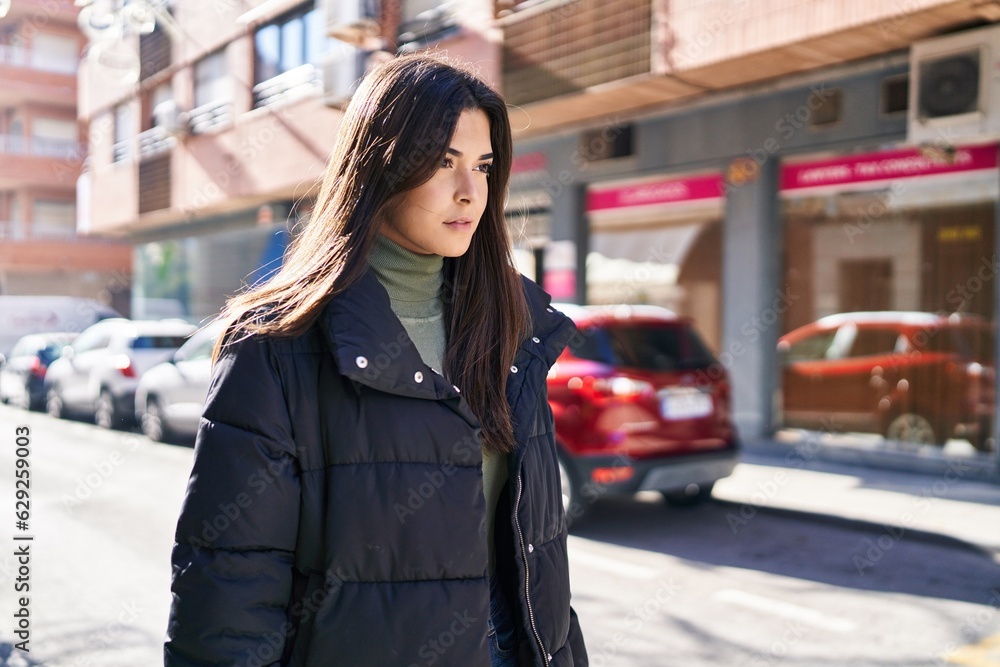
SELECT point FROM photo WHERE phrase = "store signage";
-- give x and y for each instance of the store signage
(529, 162)
(665, 191)
(886, 166)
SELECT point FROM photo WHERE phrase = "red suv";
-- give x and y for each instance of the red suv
(911, 376)
(640, 404)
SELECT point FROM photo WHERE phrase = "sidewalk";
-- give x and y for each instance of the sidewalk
(944, 506)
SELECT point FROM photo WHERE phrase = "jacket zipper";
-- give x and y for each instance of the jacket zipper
(527, 569)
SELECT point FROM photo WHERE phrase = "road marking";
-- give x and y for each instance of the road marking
(985, 653)
(612, 565)
(787, 610)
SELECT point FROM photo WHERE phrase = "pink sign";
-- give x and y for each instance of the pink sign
(889, 165)
(529, 162)
(666, 191)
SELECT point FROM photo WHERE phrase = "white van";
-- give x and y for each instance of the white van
(23, 315)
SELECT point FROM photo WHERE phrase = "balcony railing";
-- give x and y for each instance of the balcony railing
(16, 56)
(15, 144)
(154, 141)
(14, 230)
(121, 151)
(209, 115)
(294, 83)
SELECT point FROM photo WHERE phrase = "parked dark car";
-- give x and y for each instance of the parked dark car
(910, 376)
(22, 374)
(640, 404)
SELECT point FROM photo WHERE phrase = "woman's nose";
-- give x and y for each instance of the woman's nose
(466, 188)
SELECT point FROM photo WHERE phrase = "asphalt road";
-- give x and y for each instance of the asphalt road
(652, 585)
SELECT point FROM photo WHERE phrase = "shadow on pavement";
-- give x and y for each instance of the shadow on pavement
(859, 555)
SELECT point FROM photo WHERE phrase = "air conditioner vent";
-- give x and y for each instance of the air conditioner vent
(955, 88)
(949, 86)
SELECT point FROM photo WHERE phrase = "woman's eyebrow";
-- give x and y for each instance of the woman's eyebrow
(458, 153)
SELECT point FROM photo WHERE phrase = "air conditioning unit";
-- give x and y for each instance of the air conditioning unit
(353, 21)
(342, 68)
(168, 116)
(955, 88)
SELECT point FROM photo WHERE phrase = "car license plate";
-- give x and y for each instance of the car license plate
(689, 404)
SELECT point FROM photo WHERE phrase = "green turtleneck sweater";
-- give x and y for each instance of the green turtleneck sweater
(414, 283)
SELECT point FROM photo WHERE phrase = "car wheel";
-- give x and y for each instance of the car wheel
(105, 415)
(911, 428)
(22, 401)
(574, 505)
(152, 423)
(983, 439)
(694, 494)
(54, 404)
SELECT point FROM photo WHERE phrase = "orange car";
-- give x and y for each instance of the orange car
(911, 376)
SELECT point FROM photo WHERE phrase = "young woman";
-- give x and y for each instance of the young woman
(375, 478)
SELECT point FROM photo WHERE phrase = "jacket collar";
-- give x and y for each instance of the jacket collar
(371, 346)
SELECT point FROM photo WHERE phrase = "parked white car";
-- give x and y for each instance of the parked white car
(97, 375)
(171, 396)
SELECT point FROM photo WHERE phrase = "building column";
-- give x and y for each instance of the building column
(752, 299)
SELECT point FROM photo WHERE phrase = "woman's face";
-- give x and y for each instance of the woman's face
(440, 216)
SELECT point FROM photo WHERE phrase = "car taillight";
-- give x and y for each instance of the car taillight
(618, 387)
(124, 364)
(37, 368)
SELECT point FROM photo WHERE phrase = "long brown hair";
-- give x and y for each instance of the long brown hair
(392, 138)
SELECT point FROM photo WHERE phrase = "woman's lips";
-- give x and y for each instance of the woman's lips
(461, 223)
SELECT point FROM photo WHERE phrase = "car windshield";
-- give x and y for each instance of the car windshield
(654, 347)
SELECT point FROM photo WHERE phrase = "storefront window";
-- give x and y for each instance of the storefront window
(192, 277)
(889, 341)
(659, 242)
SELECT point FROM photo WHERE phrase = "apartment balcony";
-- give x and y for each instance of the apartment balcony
(576, 61)
(42, 251)
(26, 161)
(62, 11)
(28, 76)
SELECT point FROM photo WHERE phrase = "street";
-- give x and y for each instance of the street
(652, 585)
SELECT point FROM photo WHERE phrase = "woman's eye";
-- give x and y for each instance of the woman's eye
(485, 168)
(446, 162)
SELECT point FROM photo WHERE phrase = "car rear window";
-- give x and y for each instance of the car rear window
(157, 342)
(653, 347)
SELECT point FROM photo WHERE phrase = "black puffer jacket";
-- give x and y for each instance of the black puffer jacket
(335, 512)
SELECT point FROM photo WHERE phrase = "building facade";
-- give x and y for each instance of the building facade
(211, 125)
(777, 171)
(41, 155)
(765, 167)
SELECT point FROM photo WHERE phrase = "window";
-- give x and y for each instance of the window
(829, 109)
(55, 53)
(212, 93)
(606, 143)
(659, 348)
(124, 131)
(157, 342)
(210, 81)
(54, 137)
(895, 97)
(295, 39)
(874, 342)
(54, 219)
